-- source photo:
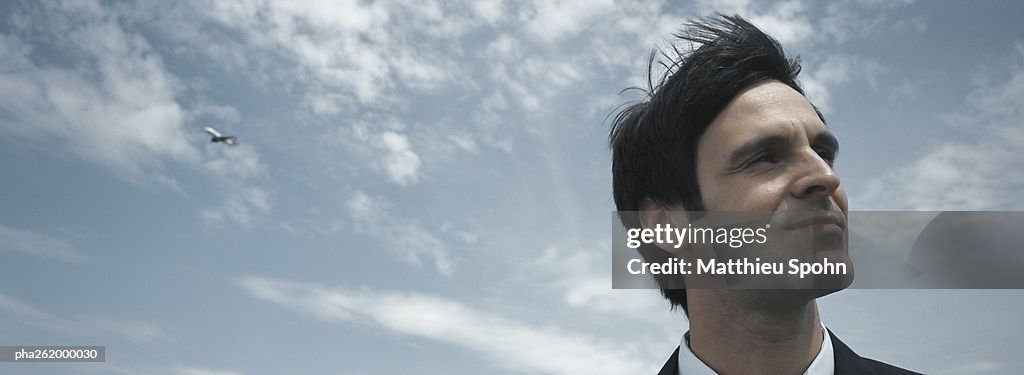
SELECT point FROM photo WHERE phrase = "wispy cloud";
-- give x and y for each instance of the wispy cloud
(360, 67)
(113, 102)
(79, 326)
(581, 275)
(115, 105)
(407, 238)
(787, 21)
(983, 171)
(339, 50)
(24, 310)
(553, 20)
(848, 19)
(507, 343)
(834, 71)
(401, 163)
(241, 175)
(792, 24)
(37, 244)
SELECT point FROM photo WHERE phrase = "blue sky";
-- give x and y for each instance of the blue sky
(424, 186)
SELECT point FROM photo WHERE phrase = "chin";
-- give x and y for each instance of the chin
(785, 299)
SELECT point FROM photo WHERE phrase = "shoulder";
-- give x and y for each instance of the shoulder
(849, 362)
(885, 368)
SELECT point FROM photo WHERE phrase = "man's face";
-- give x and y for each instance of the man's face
(768, 152)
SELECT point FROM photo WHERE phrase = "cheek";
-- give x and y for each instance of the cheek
(738, 195)
(840, 197)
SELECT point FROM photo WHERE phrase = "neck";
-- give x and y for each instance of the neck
(735, 334)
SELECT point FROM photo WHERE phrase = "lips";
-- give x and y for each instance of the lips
(817, 220)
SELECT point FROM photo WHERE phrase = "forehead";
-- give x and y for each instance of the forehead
(765, 107)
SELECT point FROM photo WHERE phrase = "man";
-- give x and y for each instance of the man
(728, 130)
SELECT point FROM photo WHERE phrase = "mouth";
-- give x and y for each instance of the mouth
(824, 221)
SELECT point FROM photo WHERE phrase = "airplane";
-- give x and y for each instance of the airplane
(217, 137)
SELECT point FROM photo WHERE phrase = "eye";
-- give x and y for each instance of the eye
(827, 155)
(763, 158)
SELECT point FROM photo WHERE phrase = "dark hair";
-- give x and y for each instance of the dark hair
(654, 140)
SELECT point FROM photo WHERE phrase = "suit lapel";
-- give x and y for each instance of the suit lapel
(846, 360)
(671, 367)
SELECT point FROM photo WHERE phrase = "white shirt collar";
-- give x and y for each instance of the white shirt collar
(823, 364)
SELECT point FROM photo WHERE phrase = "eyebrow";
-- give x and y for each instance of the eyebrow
(828, 140)
(754, 145)
(770, 141)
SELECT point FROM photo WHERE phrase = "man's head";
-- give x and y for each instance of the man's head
(726, 129)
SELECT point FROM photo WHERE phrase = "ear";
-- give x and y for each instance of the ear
(654, 213)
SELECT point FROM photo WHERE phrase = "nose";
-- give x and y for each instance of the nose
(815, 178)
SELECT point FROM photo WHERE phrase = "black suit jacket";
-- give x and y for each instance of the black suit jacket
(847, 362)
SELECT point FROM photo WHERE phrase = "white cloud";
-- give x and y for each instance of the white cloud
(401, 163)
(384, 144)
(390, 55)
(240, 205)
(582, 276)
(980, 172)
(554, 20)
(787, 21)
(791, 23)
(220, 112)
(723, 6)
(440, 143)
(116, 107)
(508, 343)
(340, 50)
(489, 10)
(239, 171)
(116, 104)
(834, 71)
(235, 163)
(985, 175)
(37, 244)
(534, 81)
(406, 237)
(465, 142)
